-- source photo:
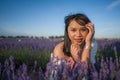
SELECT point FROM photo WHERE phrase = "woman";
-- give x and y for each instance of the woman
(79, 32)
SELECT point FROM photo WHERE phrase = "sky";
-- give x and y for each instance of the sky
(46, 17)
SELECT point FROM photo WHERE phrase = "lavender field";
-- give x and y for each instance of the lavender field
(29, 59)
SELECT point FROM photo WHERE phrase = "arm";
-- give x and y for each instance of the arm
(85, 57)
(58, 51)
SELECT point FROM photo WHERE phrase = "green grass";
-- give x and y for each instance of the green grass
(27, 57)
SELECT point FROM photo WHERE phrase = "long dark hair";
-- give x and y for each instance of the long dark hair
(81, 19)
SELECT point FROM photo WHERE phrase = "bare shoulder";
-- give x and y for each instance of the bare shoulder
(58, 50)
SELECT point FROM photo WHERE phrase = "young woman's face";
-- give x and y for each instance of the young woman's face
(77, 33)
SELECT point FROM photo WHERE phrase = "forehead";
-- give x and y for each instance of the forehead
(74, 24)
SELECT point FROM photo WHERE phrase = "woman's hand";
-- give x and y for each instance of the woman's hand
(90, 27)
(71, 62)
(75, 51)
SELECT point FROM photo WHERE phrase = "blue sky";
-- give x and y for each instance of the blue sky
(46, 17)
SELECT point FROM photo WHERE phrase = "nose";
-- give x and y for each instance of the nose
(78, 33)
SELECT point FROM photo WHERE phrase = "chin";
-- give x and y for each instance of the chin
(80, 43)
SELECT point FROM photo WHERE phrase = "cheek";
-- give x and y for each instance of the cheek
(84, 34)
(71, 36)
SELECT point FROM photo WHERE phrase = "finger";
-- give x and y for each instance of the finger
(91, 25)
(76, 46)
(90, 28)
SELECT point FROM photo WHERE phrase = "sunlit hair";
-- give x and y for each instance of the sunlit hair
(81, 19)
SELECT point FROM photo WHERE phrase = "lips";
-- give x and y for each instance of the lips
(78, 40)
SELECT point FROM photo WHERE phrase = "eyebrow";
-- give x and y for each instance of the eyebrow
(75, 27)
(83, 27)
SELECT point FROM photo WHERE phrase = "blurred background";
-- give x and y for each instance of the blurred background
(46, 17)
(30, 29)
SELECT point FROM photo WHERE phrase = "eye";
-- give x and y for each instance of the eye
(84, 29)
(73, 29)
